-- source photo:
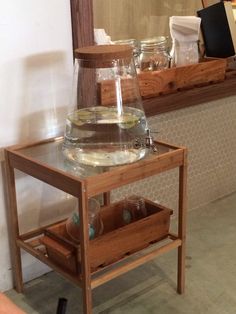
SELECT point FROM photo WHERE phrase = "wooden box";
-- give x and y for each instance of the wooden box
(117, 241)
(166, 81)
(60, 249)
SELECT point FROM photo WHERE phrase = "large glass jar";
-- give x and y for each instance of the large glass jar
(154, 54)
(106, 117)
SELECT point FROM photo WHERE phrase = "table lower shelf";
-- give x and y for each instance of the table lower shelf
(104, 274)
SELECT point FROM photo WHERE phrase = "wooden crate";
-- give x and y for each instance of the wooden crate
(61, 252)
(167, 81)
(117, 241)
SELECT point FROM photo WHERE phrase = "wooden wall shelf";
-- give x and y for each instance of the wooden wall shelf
(190, 97)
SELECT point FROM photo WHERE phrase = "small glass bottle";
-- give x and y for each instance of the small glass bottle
(154, 54)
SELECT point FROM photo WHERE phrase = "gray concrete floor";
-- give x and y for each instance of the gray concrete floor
(210, 276)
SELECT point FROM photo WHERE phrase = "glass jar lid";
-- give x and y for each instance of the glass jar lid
(158, 41)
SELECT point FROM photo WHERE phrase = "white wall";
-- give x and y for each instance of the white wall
(35, 73)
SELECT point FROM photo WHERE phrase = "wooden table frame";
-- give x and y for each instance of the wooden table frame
(83, 189)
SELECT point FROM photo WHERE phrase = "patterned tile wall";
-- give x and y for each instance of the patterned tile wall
(209, 132)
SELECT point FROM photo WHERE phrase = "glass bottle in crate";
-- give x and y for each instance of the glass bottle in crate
(95, 227)
(134, 209)
(135, 46)
(106, 117)
(154, 54)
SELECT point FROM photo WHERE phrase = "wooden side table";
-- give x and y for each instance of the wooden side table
(44, 161)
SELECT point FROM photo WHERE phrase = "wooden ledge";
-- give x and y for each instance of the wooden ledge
(175, 88)
(190, 97)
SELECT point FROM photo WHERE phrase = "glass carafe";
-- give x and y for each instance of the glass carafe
(106, 118)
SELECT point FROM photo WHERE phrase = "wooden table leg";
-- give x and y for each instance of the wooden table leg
(107, 198)
(182, 224)
(85, 263)
(13, 226)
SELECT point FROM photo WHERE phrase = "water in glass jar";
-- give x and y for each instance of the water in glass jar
(103, 136)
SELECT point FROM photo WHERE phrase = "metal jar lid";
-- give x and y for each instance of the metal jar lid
(153, 41)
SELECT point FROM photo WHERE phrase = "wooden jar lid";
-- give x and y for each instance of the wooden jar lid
(104, 52)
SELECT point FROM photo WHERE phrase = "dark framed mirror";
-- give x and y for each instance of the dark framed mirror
(83, 35)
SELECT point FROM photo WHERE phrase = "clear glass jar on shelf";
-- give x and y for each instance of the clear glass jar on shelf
(134, 209)
(135, 46)
(154, 54)
(94, 219)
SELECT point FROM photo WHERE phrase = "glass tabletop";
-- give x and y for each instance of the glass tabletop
(50, 153)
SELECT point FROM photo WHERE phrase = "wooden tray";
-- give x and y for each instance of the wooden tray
(167, 81)
(117, 241)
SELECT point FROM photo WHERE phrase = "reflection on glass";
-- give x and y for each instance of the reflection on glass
(139, 19)
(82, 170)
(50, 154)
